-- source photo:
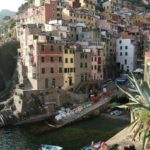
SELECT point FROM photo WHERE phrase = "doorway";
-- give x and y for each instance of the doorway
(70, 81)
(53, 82)
(46, 83)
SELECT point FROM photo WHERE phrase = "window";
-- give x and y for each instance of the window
(95, 59)
(42, 59)
(51, 59)
(60, 59)
(81, 65)
(95, 67)
(72, 51)
(85, 65)
(66, 60)
(71, 60)
(99, 68)
(52, 39)
(43, 70)
(60, 70)
(120, 47)
(42, 47)
(65, 70)
(66, 51)
(60, 48)
(125, 61)
(81, 55)
(51, 70)
(121, 54)
(120, 41)
(126, 47)
(85, 55)
(71, 69)
(126, 53)
(99, 60)
(52, 47)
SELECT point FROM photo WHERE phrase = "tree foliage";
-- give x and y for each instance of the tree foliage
(25, 5)
(8, 61)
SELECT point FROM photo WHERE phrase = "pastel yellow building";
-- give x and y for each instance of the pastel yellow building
(139, 19)
(106, 15)
(88, 4)
(69, 67)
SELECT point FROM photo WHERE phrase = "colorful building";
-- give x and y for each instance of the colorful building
(78, 15)
(97, 63)
(43, 13)
(69, 66)
(41, 61)
(126, 49)
(82, 65)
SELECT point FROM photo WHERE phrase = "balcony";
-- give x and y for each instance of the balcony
(42, 39)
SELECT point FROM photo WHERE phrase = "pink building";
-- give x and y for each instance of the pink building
(104, 24)
(97, 62)
(51, 10)
(41, 64)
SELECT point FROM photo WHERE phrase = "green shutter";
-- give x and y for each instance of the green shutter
(60, 70)
(52, 47)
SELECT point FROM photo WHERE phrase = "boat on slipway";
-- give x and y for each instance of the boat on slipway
(51, 147)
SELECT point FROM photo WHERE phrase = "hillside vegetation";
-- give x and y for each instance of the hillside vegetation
(6, 14)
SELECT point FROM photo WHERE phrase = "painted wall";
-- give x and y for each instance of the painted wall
(126, 54)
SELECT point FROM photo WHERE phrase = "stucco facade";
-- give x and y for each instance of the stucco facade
(41, 58)
(97, 63)
(78, 16)
(126, 53)
(83, 66)
(69, 67)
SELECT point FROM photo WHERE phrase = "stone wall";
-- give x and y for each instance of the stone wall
(33, 102)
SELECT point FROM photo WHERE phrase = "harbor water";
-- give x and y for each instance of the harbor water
(72, 137)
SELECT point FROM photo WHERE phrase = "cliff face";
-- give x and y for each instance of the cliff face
(8, 61)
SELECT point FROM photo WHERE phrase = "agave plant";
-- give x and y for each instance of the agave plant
(140, 107)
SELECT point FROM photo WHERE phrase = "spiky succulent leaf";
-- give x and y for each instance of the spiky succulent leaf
(140, 105)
